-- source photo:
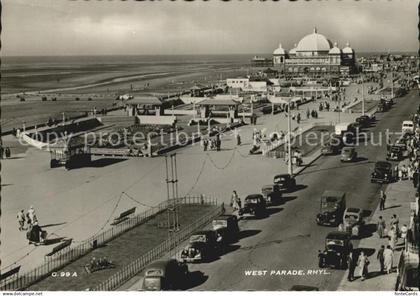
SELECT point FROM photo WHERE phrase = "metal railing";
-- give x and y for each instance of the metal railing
(71, 253)
(130, 270)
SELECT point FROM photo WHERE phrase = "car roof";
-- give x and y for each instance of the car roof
(160, 264)
(333, 193)
(282, 175)
(254, 196)
(382, 163)
(353, 210)
(203, 232)
(338, 235)
(269, 186)
(224, 217)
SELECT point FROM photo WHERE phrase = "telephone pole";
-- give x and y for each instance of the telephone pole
(172, 197)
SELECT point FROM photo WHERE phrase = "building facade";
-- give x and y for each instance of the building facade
(316, 56)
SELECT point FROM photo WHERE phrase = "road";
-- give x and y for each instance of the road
(289, 239)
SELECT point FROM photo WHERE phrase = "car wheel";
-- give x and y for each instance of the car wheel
(321, 263)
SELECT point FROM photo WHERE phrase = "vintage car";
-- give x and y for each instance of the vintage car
(337, 248)
(285, 181)
(363, 120)
(254, 206)
(333, 146)
(348, 154)
(395, 152)
(382, 173)
(352, 221)
(165, 275)
(227, 227)
(408, 272)
(333, 204)
(202, 246)
(271, 193)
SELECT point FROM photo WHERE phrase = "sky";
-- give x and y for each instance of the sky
(68, 27)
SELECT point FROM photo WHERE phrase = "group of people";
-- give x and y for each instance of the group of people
(4, 152)
(311, 113)
(213, 143)
(98, 264)
(29, 222)
(324, 105)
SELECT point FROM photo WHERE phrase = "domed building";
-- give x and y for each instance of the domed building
(315, 55)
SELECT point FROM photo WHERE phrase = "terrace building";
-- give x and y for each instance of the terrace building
(316, 56)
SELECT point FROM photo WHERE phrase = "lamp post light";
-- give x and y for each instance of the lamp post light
(363, 96)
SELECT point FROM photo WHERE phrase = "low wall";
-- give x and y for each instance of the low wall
(156, 120)
(180, 112)
(191, 100)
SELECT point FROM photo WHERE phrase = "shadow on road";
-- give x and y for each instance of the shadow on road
(337, 167)
(360, 159)
(103, 162)
(297, 188)
(195, 279)
(54, 224)
(247, 233)
(52, 241)
(367, 231)
(368, 251)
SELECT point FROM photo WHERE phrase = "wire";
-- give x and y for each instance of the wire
(226, 165)
(198, 176)
(135, 200)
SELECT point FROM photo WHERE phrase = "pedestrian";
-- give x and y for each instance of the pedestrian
(30, 215)
(352, 266)
(380, 228)
(234, 200)
(382, 199)
(400, 174)
(21, 220)
(7, 152)
(396, 172)
(308, 114)
(392, 238)
(403, 232)
(205, 144)
(394, 222)
(403, 172)
(388, 259)
(363, 263)
(35, 233)
(238, 139)
(381, 258)
(298, 118)
(218, 142)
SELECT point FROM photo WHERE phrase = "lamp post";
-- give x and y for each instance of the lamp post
(289, 146)
(363, 96)
(392, 84)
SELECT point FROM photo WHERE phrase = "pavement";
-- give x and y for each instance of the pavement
(399, 196)
(78, 203)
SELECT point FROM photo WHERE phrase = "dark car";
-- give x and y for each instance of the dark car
(408, 273)
(227, 227)
(202, 246)
(271, 193)
(382, 173)
(395, 152)
(363, 120)
(333, 204)
(254, 206)
(337, 248)
(334, 145)
(285, 181)
(303, 288)
(348, 154)
(165, 275)
(383, 106)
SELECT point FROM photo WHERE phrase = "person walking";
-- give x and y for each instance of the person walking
(392, 238)
(396, 172)
(205, 144)
(381, 259)
(21, 220)
(380, 227)
(352, 266)
(363, 263)
(382, 199)
(234, 200)
(31, 215)
(388, 259)
(238, 140)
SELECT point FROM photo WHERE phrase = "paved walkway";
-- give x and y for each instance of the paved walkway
(79, 203)
(399, 196)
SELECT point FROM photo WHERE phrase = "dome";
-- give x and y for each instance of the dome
(293, 50)
(314, 42)
(280, 50)
(348, 49)
(335, 49)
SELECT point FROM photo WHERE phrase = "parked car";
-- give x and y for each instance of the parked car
(163, 275)
(254, 206)
(271, 193)
(382, 173)
(352, 221)
(227, 227)
(333, 204)
(337, 248)
(348, 154)
(363, 120)
(334, 145)
(202, 246)
(395, 152)
(408, 273)
(285, 181)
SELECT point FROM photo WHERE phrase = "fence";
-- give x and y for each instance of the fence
(71, 253)
(130, 270)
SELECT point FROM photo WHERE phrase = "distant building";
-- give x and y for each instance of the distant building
(315, 55)
(261, 62)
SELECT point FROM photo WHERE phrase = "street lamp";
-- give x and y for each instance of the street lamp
(363, 96)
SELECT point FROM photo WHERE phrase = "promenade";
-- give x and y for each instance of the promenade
(79, 203)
